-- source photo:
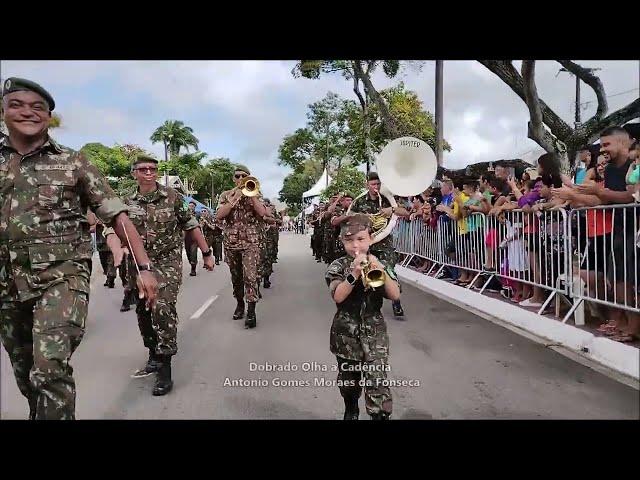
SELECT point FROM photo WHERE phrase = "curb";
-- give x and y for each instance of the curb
(616, 356)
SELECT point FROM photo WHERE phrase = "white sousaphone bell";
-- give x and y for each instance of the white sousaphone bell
(406, 166)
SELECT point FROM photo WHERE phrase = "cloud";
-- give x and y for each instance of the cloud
(243, 109)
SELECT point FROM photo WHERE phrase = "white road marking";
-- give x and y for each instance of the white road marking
(204, 307)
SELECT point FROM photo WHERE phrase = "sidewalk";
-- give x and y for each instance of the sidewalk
(621, 358)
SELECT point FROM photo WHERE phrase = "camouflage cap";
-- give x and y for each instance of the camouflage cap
(241, 168)
(348, 194)
(354, 224)
(15, 84)
(144, 159)
(372, 176)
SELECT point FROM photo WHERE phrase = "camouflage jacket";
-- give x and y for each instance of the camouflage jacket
(358, 331)
(209, 225)
(242, 227)
(44, 232)
(273, 229)
(160, 217)
(338, 212)
(366, 204)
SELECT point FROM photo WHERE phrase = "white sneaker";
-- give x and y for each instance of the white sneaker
(529, 303)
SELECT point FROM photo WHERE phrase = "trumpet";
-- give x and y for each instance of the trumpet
(372, 277)
(250, 186)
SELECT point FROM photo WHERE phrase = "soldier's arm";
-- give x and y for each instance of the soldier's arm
(224, 207)
(338, 219)
(96, 194)
(258, 207)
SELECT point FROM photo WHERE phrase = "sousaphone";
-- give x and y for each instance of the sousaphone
(406, 166)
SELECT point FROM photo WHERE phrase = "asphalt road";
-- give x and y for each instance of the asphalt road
(460, 365)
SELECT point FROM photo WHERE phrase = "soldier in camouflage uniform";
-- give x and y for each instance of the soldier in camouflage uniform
(160, 215)
(372, 203)
(190, 247)
(327, 230)
(318, 233)
(339, 215)
(106, 259)
(241, 218)
(212, 233)
(273, 220)
(358, 336)
(46, 249)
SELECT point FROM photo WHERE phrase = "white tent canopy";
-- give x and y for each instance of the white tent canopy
(319, 187)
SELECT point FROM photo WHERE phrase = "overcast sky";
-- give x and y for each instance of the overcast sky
(243, 109)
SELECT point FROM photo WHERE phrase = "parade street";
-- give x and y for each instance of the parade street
(453, 364)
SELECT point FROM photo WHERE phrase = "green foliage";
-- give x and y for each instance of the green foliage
(175, 135)
(347, 179)
(124, 186)
(296, 148)
(221, 170)
(184, 165)
(111, 161)
(294, 185)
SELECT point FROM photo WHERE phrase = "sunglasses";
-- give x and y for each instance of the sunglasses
(239, 176)
(147, 169)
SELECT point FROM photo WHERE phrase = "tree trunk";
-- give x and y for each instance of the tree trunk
(388, 122)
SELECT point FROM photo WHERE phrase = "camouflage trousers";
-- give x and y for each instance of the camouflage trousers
(40, 335)
(244, 266)
(109, 268)
(192, 251)
(377, 395)
(215, 242)
(159, 326)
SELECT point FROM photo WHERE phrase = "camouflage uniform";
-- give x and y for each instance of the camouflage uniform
(327, 238)
(106, 257)
(382, 250)
(45, 267)
(160, 217)
(271, 247)
(212, 234)
(241, 246)
(191, 248)
(338, 247)
(359, 337)
(318, 237)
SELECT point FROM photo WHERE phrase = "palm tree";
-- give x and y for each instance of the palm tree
(175, 135)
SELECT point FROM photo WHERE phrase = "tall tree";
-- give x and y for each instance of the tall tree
(294, 185)
(218, 170)
(545, 127)
(174, 135)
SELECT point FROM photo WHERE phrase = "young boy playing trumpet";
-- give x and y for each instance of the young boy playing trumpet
(359, 337)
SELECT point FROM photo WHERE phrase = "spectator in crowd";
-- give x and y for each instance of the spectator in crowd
(472, 241)
(444, 226)
(616, 142)
(585, 161)
(633, 174)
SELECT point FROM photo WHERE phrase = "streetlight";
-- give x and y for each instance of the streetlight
(211, 175)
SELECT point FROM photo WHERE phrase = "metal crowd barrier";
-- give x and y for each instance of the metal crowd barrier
(606, 240)
(537, 249)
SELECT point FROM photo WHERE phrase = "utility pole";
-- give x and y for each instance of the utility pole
(578, 122)
(439, 109)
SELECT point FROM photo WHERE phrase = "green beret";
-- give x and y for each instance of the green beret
(14, 84)
(144, 159)
(372, 176)
(241, 168)
(354, 224)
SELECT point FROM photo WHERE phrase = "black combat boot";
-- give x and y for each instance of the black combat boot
(250, 322)
(380, 416)
(33, 404)
(397, 309)
(217, 261)
(193, 270)
(153, 363)
(164, 384)
(110, 283)
(239, 312)
(351, 410)
(126, 303)
(267, 283)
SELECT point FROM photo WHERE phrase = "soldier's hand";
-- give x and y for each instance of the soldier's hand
(374, 262)
(387, 212)
(148, 288)
(208, 263)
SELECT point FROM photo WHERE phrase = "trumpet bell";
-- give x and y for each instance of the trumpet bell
(375, 278)
(407, 166)
(250, 187)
